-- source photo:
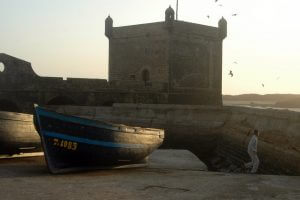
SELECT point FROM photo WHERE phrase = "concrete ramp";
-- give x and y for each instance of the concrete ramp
(175, 159)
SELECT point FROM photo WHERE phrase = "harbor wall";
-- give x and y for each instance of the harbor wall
(215, 132)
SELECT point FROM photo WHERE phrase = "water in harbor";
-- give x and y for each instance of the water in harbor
(259, 105)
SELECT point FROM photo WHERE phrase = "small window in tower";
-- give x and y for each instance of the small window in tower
(145, 75)
(2, 67)
(132, 77)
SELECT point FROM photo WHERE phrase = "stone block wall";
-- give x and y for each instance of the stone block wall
(212, 132)
(133, 49)
(182, 58)
(186, 127)
(195, 56)
(279, 140)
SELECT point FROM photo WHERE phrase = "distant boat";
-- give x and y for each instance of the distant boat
(73, 143)
(17, 134)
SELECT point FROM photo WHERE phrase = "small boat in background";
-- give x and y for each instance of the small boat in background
(17, 134)
(73, 143)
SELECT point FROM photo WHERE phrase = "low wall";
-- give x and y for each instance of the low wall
(279, 140)
(210, 131)
(186, 127)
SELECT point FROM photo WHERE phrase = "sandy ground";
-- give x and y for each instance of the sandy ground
(171, 174)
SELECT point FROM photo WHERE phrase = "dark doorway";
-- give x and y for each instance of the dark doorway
(145, 76)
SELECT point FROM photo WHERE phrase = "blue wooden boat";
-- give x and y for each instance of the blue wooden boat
(74, 143)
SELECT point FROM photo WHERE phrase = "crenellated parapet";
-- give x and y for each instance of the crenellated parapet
(108, 27)
(169, 18)
(222, 25)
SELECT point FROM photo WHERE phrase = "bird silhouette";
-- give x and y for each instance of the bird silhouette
(235, 14)
(263, 85)
(230, 73)
(207, 16)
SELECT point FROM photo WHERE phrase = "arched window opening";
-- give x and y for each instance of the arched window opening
(2, 67)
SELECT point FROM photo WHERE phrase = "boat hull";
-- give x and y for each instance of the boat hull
(72, 143)
(17, 133)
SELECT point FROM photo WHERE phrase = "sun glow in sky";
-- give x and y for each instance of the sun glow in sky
(66, 37)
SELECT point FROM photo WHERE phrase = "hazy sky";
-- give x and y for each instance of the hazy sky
(66, 37)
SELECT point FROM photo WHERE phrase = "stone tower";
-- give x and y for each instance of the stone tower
(181, 59)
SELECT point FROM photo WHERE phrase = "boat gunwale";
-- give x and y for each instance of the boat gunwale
(50, 160)
(102, 124)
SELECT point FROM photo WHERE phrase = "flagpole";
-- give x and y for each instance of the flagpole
(177, 10)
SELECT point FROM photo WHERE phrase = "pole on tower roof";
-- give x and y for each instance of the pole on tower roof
(177, 10)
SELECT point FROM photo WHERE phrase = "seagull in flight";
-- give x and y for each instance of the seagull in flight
(230, 73)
